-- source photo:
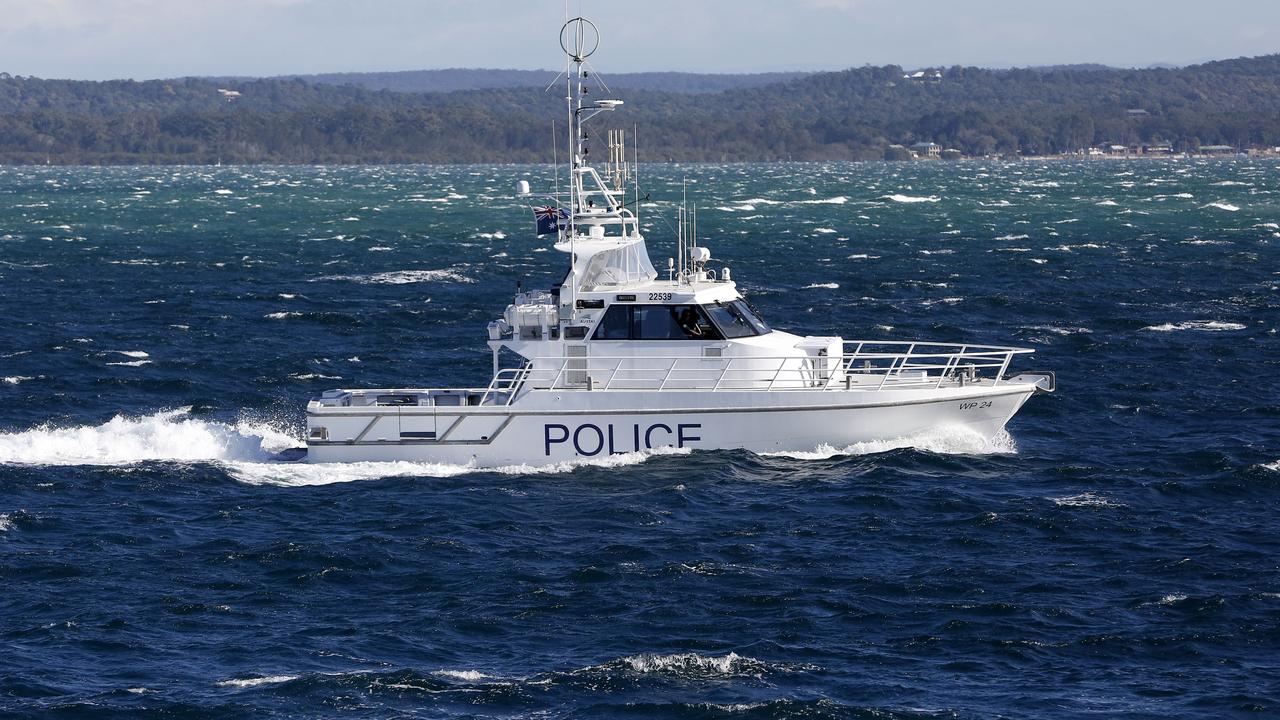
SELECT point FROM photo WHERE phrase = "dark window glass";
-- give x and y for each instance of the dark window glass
(615, 325)
(671, 322)
(731, 321)
(752, 316)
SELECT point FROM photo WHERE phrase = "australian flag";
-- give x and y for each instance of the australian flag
(549, 218)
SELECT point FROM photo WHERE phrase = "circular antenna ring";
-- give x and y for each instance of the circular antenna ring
(584, 40)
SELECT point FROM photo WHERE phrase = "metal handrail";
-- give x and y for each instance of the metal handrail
(864, 366)
(921, 364)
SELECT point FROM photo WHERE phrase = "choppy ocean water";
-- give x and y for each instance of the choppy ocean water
(1115, 555)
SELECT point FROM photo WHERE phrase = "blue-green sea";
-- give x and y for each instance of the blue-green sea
(164, 554)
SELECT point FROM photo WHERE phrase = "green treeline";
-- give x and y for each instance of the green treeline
(853, 114)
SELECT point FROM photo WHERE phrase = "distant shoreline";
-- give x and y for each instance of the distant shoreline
(922, 162)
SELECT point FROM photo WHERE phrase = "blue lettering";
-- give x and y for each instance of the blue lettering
(547, 440)
(648, 434)
(636, 432)
(681, 438)
(577, 434)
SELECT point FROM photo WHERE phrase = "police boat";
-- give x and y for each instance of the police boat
(621, 358)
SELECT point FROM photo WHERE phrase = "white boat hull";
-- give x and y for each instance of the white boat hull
(545, 428)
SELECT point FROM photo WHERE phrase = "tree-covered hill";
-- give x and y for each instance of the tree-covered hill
(452, 80)
(851, 114)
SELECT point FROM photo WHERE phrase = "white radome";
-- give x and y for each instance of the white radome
(618, 360)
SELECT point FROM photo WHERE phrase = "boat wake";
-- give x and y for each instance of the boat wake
(947, 440)
(254, 452)
(168, 435)
(269, 453)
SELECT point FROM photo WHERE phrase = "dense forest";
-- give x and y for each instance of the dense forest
(424, 81)
(853, 114)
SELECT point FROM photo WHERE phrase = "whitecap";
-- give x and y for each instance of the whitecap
(822, 286)
(16, 379)
(132, 353)
(898, 198)
(282, 315)
(694, 664)
(824, 231)
(131, 363)
(1224, 206)
(839, 200)
(1085, 499)
(464, 675)
(255, 682)
(401, 277)
(1203, 325)
(1014, 237)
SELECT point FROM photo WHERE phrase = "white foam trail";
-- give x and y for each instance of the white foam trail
(1275, 466)
(169, 435)
(301, 474)
(255, 682)
(946, 440)
(822, 286)
(15, 379)
(1202, 325)
(282, 315)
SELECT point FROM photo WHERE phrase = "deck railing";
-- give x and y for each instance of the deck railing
(863, 366)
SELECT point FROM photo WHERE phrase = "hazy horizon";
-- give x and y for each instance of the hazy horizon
(149, 39)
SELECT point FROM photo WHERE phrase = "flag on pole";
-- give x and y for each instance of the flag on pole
(549, 218)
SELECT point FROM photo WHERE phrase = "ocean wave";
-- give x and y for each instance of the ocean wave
(1202, 325)
(691, 665)
(242, 683)
(1085, 499)
(822, 286)
(463, 675)
(1224, 206)
(838, 200)
(400, 277)
(948, 440)
(16, 379)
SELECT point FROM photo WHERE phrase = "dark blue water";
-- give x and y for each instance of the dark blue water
(1115, 556)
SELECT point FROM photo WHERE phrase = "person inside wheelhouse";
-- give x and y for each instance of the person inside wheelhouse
(718, 321)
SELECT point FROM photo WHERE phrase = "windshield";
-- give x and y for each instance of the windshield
(737, 319)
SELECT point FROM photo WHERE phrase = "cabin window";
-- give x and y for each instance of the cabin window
(656, 322)
(615, 325)
(736, 319)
